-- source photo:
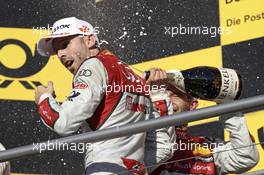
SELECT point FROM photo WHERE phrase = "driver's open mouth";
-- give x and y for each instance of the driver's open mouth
(68, 63)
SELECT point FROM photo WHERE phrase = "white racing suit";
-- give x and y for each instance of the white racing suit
(4, 166)
(228, 159)
(236, 156)
(158, 142)
(106, 93)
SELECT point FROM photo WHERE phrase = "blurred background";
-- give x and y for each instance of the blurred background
(170, 34)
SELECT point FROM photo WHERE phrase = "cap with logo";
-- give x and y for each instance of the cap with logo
(61, 28)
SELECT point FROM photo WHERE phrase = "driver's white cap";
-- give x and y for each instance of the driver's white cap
(61, 28)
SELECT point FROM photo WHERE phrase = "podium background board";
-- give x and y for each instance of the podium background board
(167, 34)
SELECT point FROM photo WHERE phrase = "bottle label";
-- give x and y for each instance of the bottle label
(178, 79)
(230, 85)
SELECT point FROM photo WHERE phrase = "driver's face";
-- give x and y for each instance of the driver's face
(180, 102)
(72, 51)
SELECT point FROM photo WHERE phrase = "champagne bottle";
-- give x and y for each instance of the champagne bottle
(207, 83)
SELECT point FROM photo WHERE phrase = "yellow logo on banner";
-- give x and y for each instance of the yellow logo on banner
(245, 18)
(22, 68)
